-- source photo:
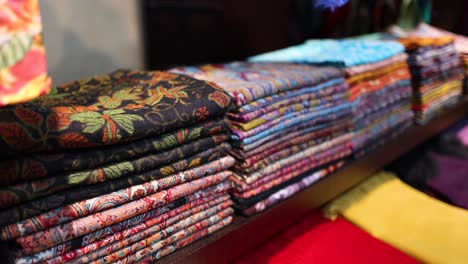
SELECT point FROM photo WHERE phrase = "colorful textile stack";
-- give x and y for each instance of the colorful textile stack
(425, 30)
(23, 69)
(125, 166)
(379, 80)
(291, 126)
(315, 239)
(437, 74)
(415, 223)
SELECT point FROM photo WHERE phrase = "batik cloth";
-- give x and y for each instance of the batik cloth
(291, 189)
(314, 239)
(160, 214)
(42, 205)
(290, 172)
(107, 109)
(153, 233)
(32, 166)
(342, 53)
(23, 67)
(43, 240)
(307, 155)
(187, 240)
(145, 246)
(403, 220)
(85, 207)
(248, 82)
(114, 241)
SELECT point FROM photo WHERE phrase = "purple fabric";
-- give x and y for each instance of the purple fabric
(451, 181)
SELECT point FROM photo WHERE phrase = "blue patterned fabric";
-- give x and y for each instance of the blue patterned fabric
(341, 53)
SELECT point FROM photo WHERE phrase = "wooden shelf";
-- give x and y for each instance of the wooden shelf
(246, 233)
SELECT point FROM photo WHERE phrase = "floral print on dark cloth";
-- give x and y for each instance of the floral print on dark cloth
(56, 235)
(31, 166)
(23, 67)
(120, 239)
(15, 194)
(42, 205)
(107, 109)
(159, 214)
(85, 207)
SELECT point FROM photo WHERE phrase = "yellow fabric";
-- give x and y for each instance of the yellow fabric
(446, 88)
(374, 74)
(390, 210)
(412, 43)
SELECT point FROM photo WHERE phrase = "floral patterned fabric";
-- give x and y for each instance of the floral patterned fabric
(119, 107)
(15, 194)
(164, 212)
(42, 205)
(33, 166)
(23, 67)
(155, 255)
(106, 201)
(292, 189)
(56, 235)
(151, 229)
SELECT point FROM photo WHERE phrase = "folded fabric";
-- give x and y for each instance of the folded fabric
(23, 67)
(151, 254)
(42, 205)
(15, 194)
(106, 201)
(33, 166)
(177, 232)
(155, 234)
(122, 238)
(344, 53)
(289, 189)
(247, 82)
(411, 221)
(159, 214)
(314, 239)
(122, 106)
(58, 234)
(415, 42)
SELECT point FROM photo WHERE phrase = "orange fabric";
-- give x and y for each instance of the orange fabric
(412, 43)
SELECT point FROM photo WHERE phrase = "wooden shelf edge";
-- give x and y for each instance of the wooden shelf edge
(245, 234)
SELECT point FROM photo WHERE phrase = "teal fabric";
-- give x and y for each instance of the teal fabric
(341, 53)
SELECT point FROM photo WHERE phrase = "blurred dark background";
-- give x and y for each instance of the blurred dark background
(187, 32)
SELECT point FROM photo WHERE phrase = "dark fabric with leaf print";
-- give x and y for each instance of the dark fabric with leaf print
(18, 193)
(107, 109)
(41, 205)
(33, 166)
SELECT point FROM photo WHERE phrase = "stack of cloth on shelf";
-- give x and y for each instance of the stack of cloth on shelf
(427, 229)
(125, 166)
(291, 126)
(23, 69)
(437, 74)
(379, 80)
(425, 30)
(315, 239)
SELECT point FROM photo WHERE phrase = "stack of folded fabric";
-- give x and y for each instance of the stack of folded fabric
(425, 30)
(124, 166)
(437, 74)
(291, 126)
(23, 69)
(379, 80)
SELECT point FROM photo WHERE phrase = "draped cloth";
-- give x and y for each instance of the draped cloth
(23, 67)
(423, 227)
(314, 239)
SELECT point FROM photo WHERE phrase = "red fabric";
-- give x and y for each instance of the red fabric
(318, 240)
